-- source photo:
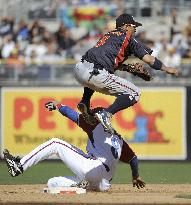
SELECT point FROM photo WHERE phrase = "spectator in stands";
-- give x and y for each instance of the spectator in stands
(38, 46)
(35, 38)
(15, 59)
(6, 26)
(51, 56)
(180, 42)
(65, 42)
(174, 25)
(8, 46)
(162, 46)
(78, 32)
(22, 31)
(59, 32)
(172, 58)
(47, 37)
(36, 30)
(32, 59)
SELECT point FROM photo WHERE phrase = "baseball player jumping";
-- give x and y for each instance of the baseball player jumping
(96, 69)
(97, 167)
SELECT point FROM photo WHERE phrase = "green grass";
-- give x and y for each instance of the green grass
(183, 196)
(158, 173)
(151, 172)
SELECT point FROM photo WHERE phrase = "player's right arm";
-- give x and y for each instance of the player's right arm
(64, 110)
(70, 114)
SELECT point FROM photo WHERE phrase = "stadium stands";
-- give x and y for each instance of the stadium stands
(38, 41)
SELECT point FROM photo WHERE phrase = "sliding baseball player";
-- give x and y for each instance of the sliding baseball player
(95, 169)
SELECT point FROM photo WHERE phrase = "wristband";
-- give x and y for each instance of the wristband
(58, 106)
(157, 64)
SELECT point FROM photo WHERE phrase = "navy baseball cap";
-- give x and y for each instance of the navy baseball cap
(126, 19)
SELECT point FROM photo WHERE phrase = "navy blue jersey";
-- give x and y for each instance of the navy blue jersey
(114, 48)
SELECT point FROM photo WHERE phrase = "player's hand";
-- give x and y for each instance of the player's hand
(50, 105)
(172, 71)
(137, 182)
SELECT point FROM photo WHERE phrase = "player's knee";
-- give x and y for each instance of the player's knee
(56, 144)
(55, 139)
(104, 185)
(52, 140)
(136, 96)
(133, 99)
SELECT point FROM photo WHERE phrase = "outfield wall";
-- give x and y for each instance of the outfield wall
(156, 127)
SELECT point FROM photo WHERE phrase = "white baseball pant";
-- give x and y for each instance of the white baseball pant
(104, 82)
(79, 163)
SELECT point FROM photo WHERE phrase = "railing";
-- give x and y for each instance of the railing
(61, 73)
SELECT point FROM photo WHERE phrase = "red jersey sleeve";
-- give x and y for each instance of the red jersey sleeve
(127, 153)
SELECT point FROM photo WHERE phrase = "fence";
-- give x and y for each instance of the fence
(60, 73)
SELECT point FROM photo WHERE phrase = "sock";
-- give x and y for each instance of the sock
(87, 95)
(121, 102)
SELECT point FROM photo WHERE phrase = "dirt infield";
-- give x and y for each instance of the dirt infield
(119, 194)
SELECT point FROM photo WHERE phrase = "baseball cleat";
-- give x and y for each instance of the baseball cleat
(13, 163)
(84, 109)
(104, 118)
(82, 184)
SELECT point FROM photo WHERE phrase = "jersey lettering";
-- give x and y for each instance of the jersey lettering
(102, 41)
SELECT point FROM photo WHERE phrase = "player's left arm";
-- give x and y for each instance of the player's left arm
(136, 180)
(128, 156)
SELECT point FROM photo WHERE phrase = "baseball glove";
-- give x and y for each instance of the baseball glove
(137, 70)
